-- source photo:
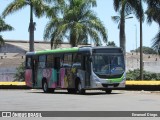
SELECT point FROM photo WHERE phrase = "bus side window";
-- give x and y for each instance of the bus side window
(42, 61)
(28, 63)
(57, 63)
(50, 61)
(77, 58)
(67, 60)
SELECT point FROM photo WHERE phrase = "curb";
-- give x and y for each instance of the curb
(130, 85)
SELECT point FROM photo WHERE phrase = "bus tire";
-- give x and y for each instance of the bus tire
(45, 86)
(108, 91)
(71, 91)
(79, 88)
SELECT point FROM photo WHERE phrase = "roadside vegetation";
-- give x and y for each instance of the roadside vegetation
(146, 50)
(135, 75)
(19, 75)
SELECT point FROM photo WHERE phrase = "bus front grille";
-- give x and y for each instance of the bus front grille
(114, 84)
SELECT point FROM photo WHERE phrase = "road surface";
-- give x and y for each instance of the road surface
(119, 100)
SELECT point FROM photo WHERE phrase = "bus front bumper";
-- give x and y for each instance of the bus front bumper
(110, 85)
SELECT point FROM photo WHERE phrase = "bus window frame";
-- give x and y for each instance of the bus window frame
(26, 63)
(39, 66)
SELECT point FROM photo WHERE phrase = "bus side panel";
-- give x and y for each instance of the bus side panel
(53, 79)
(50, 75)
(28, 77)
(63, 81)
(81, 74)
(67, 77)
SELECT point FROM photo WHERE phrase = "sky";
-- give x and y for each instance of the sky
(104, 10)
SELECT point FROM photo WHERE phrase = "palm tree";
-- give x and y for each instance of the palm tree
(78, 23)
(37, 6)
(4, 27)
(121, 25)
(125, 7)
(152, 12)
(128, 6)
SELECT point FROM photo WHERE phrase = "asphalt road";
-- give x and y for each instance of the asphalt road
(36, 100)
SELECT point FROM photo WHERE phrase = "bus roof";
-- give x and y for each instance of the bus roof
(67, 50)
(59, 50)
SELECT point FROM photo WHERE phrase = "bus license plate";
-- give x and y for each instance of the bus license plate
(110, 86)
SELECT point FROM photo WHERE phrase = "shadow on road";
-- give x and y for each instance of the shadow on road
(65, 93)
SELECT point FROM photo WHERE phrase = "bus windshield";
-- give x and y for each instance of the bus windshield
(110, 65)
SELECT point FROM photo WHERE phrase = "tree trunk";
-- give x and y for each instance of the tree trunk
(73, 40)
(31, 30)
(122, 37)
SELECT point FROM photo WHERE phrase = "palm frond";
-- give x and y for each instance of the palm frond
(14, 6)
(156, 42)
(4, 26)
(115, 19)
(117, 5)
(1, 41)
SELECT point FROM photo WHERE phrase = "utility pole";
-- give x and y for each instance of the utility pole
(141, 45)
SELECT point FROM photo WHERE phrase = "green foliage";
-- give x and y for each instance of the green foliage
(156, 41)
(4, 27)
(19, 76)
(146, 50)
(111, 43)
(77, 24)
(135, 75)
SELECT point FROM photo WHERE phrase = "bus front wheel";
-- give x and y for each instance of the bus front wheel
(108, 91)
(80, 90)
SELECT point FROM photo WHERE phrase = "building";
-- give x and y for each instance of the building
(12, 54)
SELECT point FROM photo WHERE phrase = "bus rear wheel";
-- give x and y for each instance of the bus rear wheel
(45, 87)
(71, 91)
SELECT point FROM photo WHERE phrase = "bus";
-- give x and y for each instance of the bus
(76, 69)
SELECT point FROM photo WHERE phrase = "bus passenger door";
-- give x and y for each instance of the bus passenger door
(35, 70)
(57, 67)
(86, 67)
(29, 72)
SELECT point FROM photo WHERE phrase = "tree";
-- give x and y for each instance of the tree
(121, 26)
(152, 12)
(146, 50)
(111, 43)
(37, 6)
(125, 8)
(128, 6)
(77, 23)
(156, 42)
(4, 27)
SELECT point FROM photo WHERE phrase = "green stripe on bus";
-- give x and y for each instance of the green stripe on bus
(117, 80)
(60, 50)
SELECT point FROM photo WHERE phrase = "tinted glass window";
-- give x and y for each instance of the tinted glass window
(28, 63)
(42, 61)
(77, 59)
(67, 60)
(50, 61)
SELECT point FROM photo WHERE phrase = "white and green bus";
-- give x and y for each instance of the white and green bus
(76, 69)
